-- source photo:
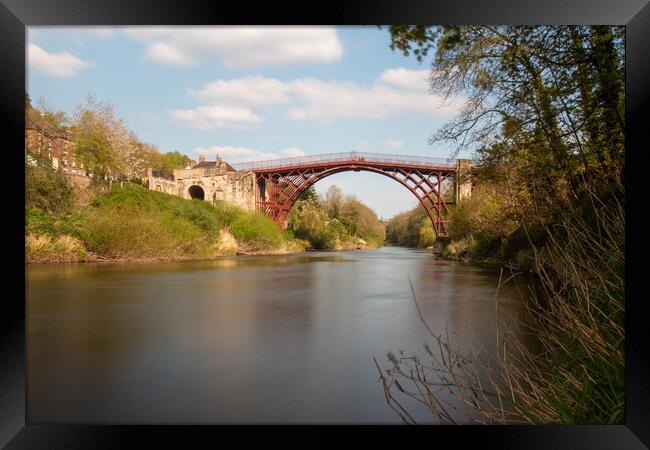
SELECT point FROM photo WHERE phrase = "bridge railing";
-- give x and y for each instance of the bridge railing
(381, 158)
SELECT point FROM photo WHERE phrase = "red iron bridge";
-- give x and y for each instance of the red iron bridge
(435, 182)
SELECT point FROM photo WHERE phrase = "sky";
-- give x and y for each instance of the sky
(252, 93)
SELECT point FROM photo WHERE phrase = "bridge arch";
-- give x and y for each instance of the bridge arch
(196, 192)
(280, 190)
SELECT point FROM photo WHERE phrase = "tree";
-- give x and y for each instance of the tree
(548, 100)
(333, 201)
(170, 161)
(105, 144)
(95, 141)
(310, 195)
(361, 221)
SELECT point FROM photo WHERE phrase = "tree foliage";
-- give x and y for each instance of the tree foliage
(102, 141)
(547, 100)
(165, 163)
(411, 229)
(334, 221)
(47, 189)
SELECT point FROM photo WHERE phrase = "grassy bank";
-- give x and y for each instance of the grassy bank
(134, 223)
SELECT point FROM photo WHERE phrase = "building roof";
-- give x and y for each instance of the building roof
(208, 164)
(49, 131)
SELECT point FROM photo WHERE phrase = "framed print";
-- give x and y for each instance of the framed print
(206, 241)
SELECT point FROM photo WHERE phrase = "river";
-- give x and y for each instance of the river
(254, 339)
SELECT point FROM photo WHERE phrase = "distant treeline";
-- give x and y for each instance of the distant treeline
(411, 229)
(335, 221)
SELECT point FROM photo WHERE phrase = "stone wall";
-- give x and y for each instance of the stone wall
(237, 188)
(78, 180)
(463, 179)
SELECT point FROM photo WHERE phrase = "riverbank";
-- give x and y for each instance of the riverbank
(132, 223)
(451, 252)
(62, 257)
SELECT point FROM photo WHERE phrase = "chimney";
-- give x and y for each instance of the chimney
(201, 158)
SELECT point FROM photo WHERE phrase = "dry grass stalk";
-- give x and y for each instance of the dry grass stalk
(575, 313)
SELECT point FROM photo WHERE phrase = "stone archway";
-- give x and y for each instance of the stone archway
(196, 192)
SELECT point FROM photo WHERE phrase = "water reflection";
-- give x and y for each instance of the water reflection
(271, 339)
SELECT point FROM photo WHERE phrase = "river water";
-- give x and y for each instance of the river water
(259, 339)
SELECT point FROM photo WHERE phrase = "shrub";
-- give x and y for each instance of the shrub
(41, 222)
(131, 232)
(257, 231)
(483, 215)
(47, 189)
(135, 222)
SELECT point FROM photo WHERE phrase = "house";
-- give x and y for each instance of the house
(56, 143)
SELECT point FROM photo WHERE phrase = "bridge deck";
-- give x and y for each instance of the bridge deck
(345, 157)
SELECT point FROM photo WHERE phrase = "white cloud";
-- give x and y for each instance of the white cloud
(166, 54)
(392, 143)
(238, 46)
(62, 64)
(325, 101)
(212, 117)
(254, 90)
(243, 154)
(395, 92)
(406, 78)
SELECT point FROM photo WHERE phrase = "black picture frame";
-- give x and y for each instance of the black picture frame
(16, 15)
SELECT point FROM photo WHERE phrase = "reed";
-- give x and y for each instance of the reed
(574, 311)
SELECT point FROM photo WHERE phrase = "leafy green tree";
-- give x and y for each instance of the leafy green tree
(93, 147)
(310, 195)
(333, 201)
(361, 221)
(549, 96)
(93, 127)
(170, 161)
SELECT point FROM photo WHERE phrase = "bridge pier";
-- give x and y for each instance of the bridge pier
(463, 182)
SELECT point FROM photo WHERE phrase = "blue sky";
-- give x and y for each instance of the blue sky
(251, 93)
